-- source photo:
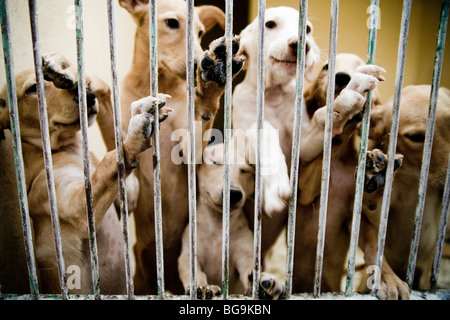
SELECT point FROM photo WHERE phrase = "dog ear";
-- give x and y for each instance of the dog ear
(210, 16)
(379, 122)
(133, 6)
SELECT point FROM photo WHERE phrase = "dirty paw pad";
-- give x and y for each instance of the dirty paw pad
(376, 165)
(213, 63)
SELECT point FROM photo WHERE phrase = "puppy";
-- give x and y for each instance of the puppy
(414, 106)
(171, 79)
(209, 231)
(280, 59)
(64, 125)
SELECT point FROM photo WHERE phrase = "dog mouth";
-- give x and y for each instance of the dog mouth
(288, 65)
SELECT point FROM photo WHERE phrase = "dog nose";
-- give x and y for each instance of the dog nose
(342, 79)
(90, 99)
(293, 45)
(235, 196)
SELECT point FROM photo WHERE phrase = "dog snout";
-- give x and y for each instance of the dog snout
(342, 79)
(235, 196)
(293, 44)
(90, 99)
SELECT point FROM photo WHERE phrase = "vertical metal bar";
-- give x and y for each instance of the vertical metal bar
(296, 138)
(227, 139)
(326, 148)
(441, 233)
(426, 156)
(17, 148)
(401, 58)
(260, 128)
(153, 33)
(359, 190)
(85, 148)
(191, 145)
(119, 150)
(46, 148)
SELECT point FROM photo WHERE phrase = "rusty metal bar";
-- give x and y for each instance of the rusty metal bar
(259, 128)
(441, 233)
(426, 156)
(119, 150)
(17, 149)
(191, 146)
(365, 124)
(46, 148)
(227, 139)
(401, 58)
(326, 148)
(153, 34)
(296, 138)
(85, 148)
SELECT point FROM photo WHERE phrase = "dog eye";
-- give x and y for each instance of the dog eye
(417, 137)
(31, 89)
(308, 29)
(173, 23)
(200, 33)
(325, 67)
(270, 24)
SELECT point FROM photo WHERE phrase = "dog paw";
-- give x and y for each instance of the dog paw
(376, 165)
(59, 70)
(392, 288)
(207, 292)
(276, 190)
(141, 123)
(212, 65)
(270, 287)
(366, 78)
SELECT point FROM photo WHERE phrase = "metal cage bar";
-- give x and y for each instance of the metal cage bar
(360, 175)
(46, 147)
(426, 156)
(153, 34)
(191, 146)
(326, 162)
(403, 41)
(17, 149)
(119, 149)
(227, 139)
(85, 149)
(259, 127)
(296, 138)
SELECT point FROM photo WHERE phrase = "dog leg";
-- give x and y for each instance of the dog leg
(349, 102)
(391, 286)
(274, 171)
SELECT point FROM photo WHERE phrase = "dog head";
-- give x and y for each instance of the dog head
(62, 110)
(280, 45)
(414, 105)
(346, 64)
(171, 24)
(210, 178)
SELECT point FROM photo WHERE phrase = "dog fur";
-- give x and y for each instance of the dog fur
(171, 80)
(209, 230)
(63, 117)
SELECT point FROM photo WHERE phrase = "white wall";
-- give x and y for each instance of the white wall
(57, 33)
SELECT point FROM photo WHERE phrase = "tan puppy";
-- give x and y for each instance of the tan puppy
(280, 56)
(341, 192)
(63, 118)
(209, 230)
(412, 127)
(171, 80)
